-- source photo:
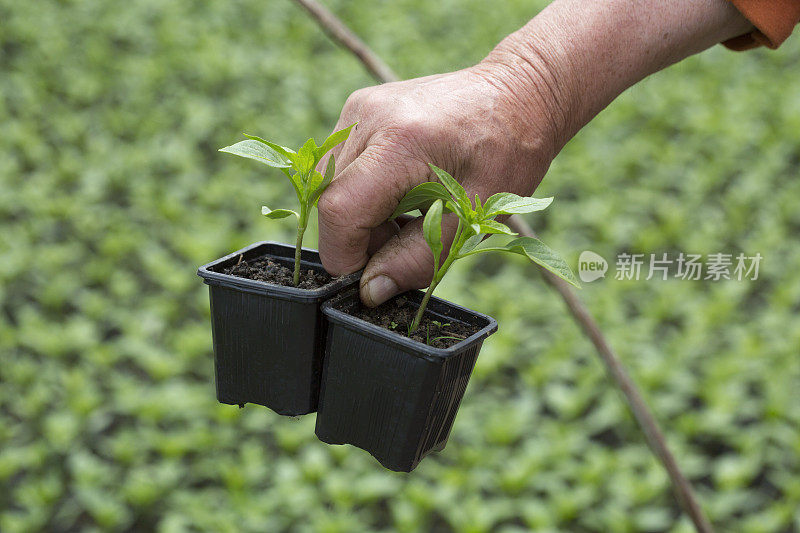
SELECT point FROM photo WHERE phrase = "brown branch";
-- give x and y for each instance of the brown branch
(344, 36)
(641, 413)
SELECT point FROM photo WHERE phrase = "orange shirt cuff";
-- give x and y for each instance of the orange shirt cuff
(774, 21)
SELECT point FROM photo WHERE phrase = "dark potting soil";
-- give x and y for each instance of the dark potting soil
(398, 313)
(265, 269)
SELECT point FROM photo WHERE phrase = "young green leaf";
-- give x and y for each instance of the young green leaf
(421, 197)
(329, 171)
(297, 182)
(471, 243)
(288, 153)
(306, 161)
(277, 213)
(506, 203)
(314, 181)
(453, 207)
(544, 256)
(258, 151)
(454, 187)
(538, 252)
(432, 231)
(492, 226)
(333, 139)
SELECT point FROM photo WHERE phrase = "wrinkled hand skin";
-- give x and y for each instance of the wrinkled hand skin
(470, 123)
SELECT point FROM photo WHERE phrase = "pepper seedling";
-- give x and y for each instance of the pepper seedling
(300, 168)
(475, 221)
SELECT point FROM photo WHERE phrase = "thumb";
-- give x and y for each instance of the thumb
(403, 263)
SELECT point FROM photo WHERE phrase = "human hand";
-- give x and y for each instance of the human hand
(483, 125)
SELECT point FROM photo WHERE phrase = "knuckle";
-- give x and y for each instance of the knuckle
(359, 99)
(415, 137)
(352, 103)
(415, 127)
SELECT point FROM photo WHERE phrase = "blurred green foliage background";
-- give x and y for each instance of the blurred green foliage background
(112, 193)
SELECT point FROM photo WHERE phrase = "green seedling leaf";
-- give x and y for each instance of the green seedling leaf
(479, 207)
(506, 203)
(432, 231)
(259, 152)
(297, 183)
(538, 252)
(306, 161)
(326, 180)
(492, 226)
(471, 243)
(314, 181)
(421, 197)
(454, 187)
(288, 153)
(333, 139)
(451, 206)
(277, 213)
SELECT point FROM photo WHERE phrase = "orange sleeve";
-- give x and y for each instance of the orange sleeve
(774, 21)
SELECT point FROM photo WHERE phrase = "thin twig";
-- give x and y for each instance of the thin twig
(341, 34)
(647, 422)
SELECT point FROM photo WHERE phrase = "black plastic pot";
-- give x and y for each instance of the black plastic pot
(387, 394)
(268, 339)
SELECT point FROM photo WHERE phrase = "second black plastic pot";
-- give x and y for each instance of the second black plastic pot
(268, 339)
(387, 394)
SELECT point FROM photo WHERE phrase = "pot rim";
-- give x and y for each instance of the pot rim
(436, 305)
(309, 257)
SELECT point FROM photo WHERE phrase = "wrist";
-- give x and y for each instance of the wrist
(575, 57)
(540, 84)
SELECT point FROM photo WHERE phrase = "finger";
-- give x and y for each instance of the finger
(363, 197)
(349, 151)
(381, 234)
(405, 262)
(345, 152)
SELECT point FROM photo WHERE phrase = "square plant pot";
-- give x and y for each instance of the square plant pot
(268, 339)
(390, 395)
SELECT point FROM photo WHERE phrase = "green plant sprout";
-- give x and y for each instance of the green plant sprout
(475, 221)
(429, 340)
(300, 168)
